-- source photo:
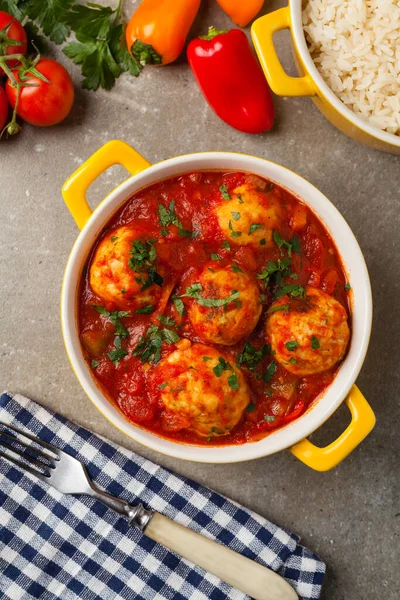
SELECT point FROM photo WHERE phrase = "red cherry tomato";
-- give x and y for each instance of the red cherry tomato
(15, 32)
(44, 104)
(3, 109)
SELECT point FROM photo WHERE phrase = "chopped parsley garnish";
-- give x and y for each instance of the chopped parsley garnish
(315, 343)
(94, 364)
(254, 227)
(250, 356)
(123, 291)
(143, 254)
(149, 347)
(292, 360)
(207, 358)
(114, 238)
(222, 366)
(295, 243)
(115, 319)
(215, 256)
(180, 307)
(188, 234)
(224, 192)
(293, 289)
(236, 268)
(193, 291)
(263, 242)
(162, 385)
(145, 310)
(240, 199)
(280, 242)
(225, 244)
(233, 232)
(292, 345)
(167, 216)
(235, 215)
(284, 307)
(347, 287)
(269, 393)
(269, 373)
(273, 268)
(233, 381)
(118, 353)
(269, 418)
(168, 321)
(293, 276)
(250, 407)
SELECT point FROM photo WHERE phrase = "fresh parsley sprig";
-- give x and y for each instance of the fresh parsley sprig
(193, 291)
(149, 347)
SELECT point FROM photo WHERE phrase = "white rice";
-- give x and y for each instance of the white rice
(355, 45)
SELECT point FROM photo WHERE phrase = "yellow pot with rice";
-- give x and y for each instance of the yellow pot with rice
(347, 54)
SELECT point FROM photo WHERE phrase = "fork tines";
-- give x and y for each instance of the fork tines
(37, 458)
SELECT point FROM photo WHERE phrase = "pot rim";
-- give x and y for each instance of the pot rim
(302, 50)
(323, 408)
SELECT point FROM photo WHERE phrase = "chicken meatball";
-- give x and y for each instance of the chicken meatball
(309, 335)
(112, 274)
(229, 323)
(201, 386)
(249, 216)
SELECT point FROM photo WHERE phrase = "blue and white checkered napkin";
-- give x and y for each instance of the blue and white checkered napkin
(54, 546)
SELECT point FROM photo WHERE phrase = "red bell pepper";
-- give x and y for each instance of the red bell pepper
(231, 80)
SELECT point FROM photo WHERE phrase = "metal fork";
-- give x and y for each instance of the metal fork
(69, 476)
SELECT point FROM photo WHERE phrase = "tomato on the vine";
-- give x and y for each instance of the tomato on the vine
(11, 32)
(3, 108)
(42, 103)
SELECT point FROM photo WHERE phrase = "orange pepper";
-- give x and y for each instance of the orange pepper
(241, 11)
(157, 30)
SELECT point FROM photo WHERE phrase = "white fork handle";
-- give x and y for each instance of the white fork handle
(240, 572)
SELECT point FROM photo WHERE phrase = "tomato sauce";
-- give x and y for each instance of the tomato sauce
(275, 401)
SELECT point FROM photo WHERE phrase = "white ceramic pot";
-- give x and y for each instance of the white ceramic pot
(293, 435)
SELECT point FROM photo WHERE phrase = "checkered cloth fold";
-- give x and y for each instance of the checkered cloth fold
(54, 546)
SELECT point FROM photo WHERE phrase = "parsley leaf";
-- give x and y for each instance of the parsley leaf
(167, 216)
(236, 269)
(94, 364)
(162, 385)
(273, 268)
(180, 307)
(280, 242)
(250, 356)
(142, 255)
(222, 366)
(235, 215)
(250, 407)
(17, 8)
(224, 192)
(254, 227)
(100, 46)
(284, 307)
(149, 347)
(269, 418)
(295, 243)
(292, 345)
(118, 353)
(145, 310)
(293, 289)
(225, 244)
(52, 16)
(347, 287)
(269, 373)
(215, 257)
(193, 291)
(315, 343)
(168, 321)
(234, 233)
(115, 317)
(292, 360)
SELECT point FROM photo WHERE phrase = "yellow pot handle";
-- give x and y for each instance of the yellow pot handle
(75, 188)
(280, 82)
(362, 423)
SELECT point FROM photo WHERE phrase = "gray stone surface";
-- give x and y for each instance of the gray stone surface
(347, 515)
